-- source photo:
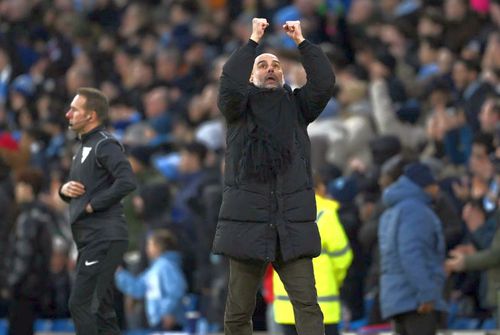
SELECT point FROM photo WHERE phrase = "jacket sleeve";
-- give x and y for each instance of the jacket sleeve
(130, 285)
(413, 249)
(487, 258)
(110, 155)
(174, 286)
(337, 245)
(318, 90)
(233, 90)
(386, 119)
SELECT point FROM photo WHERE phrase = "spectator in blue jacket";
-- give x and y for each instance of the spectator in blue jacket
(162, 285)
(412, 251)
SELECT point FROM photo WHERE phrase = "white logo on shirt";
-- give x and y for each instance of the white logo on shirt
(85, 153)
(87, 263)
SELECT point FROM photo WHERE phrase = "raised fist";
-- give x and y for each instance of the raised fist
(294, 31)
(258, 27)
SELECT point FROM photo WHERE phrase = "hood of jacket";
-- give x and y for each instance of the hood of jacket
(404, 189)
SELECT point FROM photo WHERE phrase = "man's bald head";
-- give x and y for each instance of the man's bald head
(267, 71)
(265, 56)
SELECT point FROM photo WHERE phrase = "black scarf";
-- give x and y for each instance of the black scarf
(269, 144)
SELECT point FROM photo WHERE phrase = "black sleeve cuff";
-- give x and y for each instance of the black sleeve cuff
(252, 43)
(304, 44)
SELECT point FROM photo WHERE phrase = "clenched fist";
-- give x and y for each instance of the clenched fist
(258, 27)
(294, 31)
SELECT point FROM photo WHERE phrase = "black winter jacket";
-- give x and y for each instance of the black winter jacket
(255, 217)
(102, 167)
(30, 251)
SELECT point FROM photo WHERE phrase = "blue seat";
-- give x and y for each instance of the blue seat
(138, 332)
(357, 324)
(43, 325)
(464, 323)
(63, 326)
(3, 327)
(489, 324)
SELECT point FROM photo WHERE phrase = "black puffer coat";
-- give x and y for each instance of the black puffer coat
(254, 216)
(30, 251)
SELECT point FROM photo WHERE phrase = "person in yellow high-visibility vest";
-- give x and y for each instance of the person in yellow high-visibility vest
(330, 268)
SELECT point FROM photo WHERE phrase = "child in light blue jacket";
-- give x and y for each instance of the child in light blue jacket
(162, 285)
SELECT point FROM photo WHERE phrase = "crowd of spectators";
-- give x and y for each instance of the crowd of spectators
(416, 80)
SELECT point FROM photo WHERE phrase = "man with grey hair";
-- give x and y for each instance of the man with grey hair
(268, 211)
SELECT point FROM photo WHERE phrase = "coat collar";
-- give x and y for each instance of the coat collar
(85, 136)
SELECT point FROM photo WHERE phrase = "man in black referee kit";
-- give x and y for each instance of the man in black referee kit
(99, 178)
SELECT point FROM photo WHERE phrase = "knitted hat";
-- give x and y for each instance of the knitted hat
(420, 174)
(343, 189)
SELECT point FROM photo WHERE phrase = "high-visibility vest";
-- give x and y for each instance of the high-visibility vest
(330, 268)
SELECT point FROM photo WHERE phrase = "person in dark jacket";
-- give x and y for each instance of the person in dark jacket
(99, 178)
(268, 210)
(7, 208)
(29, 253)
(412, 253)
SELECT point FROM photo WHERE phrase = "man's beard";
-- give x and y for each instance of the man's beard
(270, 86)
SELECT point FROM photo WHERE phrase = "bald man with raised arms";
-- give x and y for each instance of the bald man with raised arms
(268, 212)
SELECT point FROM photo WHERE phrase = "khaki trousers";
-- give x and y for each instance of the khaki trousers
(245, 279)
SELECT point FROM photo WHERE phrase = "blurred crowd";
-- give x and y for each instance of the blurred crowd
(416, 81)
